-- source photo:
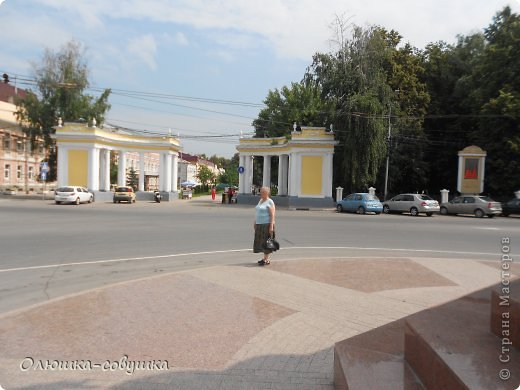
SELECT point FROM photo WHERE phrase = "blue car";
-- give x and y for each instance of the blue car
(360, 203)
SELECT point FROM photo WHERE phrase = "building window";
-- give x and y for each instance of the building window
(7, 171)
(19, 172)
(7, 142)
(19, 146)
(40, 148)
(31, 173)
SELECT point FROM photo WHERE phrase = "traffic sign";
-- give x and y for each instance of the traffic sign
(241, 169)
(43, 175)
(44, 166)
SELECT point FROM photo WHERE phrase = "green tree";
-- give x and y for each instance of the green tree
(496, 81)
(300, 102)
(353, 83)
(205, 175)
(409, 103)
(61, 80)
(447, 71)
(474, 88)
(132, 179)
(230, 174)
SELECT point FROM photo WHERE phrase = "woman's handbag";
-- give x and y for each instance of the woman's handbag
(271, 244)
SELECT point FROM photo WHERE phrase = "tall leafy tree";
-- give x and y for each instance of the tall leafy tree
(61, 80)
(205, 175)
(353, 84)
(230, 174)
(299, 103)
(408, 105)
(450, 116)
(496, 81)
(474, 88)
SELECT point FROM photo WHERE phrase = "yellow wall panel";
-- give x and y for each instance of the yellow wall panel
(78, 168)
(312, 170)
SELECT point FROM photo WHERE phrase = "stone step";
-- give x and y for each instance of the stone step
(374, 360)
(505, 311)
(452, 347)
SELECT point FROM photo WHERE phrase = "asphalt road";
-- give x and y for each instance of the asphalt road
(47, 251)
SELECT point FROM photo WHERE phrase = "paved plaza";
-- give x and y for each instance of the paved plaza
(226, 327)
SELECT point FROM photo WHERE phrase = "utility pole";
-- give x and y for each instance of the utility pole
(389, 138)
(388, 150)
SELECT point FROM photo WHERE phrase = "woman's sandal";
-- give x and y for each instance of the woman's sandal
(263, 262)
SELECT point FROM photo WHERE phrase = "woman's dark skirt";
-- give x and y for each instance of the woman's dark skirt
(261, 235)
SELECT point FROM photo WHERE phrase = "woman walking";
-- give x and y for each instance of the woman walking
(264, 224)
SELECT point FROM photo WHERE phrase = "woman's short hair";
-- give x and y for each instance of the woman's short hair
(267, 189)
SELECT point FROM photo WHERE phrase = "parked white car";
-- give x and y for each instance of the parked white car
(73, 194)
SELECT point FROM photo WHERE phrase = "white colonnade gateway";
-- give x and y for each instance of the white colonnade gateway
(84, 158)
(304, 167)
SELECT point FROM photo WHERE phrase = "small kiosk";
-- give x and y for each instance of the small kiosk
(470, 178)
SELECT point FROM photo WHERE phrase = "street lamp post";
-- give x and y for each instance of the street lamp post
(388, 151)
(389, 146)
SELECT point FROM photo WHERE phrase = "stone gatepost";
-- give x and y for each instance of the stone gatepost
(444, 196)
(339, 193)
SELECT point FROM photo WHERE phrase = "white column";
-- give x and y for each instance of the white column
(241, 177)
(327, 175)
(141, 171)
(286, 174)
(63, 166)
(121, 169)
(105, 183)
(168, 173)
(266, 179)
(482, 171)
(460, 174)
(93, 169)
(289, 174)
(249, 174)
(294, 175)
(175, 168)
(161, 172)
(280, 175)
(102, 170)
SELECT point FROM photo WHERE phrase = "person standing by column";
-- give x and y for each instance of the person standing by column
(213, 193)
(264, 224)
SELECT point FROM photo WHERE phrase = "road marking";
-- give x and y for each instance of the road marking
(121, 260)
(394, 249)
(243, 250)
(486, 228)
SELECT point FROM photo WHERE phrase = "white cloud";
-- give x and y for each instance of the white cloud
(181, 39)
(223, 55)
(86, 11)
(294, 28)
(145, 48)
(298, 28)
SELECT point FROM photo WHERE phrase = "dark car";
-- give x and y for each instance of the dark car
(511, 207)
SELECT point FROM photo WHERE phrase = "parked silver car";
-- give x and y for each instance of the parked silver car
(472, 204)
(411, 203)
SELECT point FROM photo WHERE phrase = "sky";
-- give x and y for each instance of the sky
(200, 68)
